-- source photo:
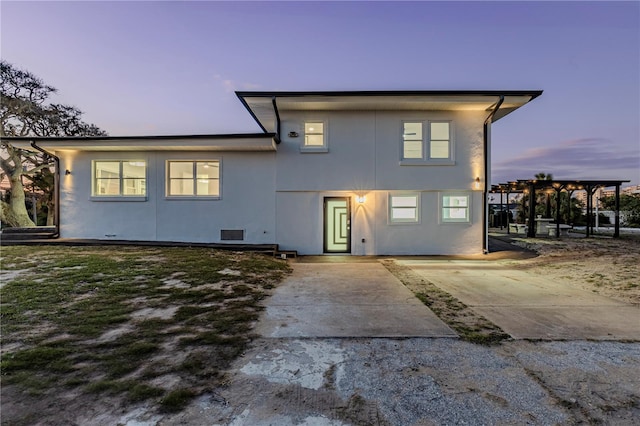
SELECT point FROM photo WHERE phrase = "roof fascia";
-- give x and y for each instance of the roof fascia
(243, 95)
(137, 138)
(533, 93)
(257, 142)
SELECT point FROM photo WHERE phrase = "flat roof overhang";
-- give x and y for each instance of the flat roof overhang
(264, 106)
(228, 142)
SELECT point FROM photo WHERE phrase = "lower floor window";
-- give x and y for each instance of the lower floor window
(193, 178)
(455, 208)
(119, 178)
(403, 208)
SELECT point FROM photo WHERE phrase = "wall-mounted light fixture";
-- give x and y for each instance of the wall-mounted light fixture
(477, 184)
(361, 198)
(67, 172)
(293, 134)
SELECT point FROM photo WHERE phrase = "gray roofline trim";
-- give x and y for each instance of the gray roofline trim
(533, 93)
(243, 95)
(140, 138)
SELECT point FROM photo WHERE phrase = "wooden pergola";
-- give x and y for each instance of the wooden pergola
(558, 185)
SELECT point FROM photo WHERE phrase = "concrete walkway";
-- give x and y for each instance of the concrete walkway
(360, 299)
(529, 306)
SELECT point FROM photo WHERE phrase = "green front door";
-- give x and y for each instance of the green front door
(337, 225)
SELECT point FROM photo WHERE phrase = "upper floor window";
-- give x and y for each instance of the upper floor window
(193, 178)
(412, 140)
(404, 208)
(315, 137)
(119, 178)
(455, 208)
(426, 141)
(439, 140)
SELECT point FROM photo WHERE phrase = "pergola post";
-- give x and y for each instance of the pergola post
(569, 196)
(588, 189)
(616, 232)
(508, 212)
(500, 210)
(531, 231)
(558, 191)
(548, 201)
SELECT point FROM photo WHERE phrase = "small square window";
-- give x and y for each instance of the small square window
(314, 136)
(455, 208)
(404, 208)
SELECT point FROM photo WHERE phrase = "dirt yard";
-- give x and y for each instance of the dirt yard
(136, 377)
(606, 266)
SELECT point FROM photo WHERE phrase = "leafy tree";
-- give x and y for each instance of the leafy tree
(629, 203)
(24, 111)
(544, 210)
(546, 202)
(543, 201)
(543, 176)
(569, 212)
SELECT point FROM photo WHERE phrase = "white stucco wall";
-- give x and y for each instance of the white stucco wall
(277, 197)
(430, 236)
(363, 158)
(247, 200)
(299, 225)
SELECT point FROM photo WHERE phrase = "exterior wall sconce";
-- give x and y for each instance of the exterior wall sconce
(477, 183)
(293, 134)
(67, 172)
(361, 199)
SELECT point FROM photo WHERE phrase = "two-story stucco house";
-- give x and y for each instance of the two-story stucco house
(365, 173)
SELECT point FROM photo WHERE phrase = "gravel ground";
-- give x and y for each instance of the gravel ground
(423, 381)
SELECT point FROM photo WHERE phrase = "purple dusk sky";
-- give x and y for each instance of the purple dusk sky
(155, 68)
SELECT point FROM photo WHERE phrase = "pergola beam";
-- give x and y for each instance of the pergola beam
(568, 185)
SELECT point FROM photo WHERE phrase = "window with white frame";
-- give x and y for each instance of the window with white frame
(412, 140)
(426, 141)
(404, 208)
(315, 137)
(119, 178)
(439, 140)
(193, 178)
(455, 208)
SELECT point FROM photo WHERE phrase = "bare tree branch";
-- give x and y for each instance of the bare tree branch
(24, 112)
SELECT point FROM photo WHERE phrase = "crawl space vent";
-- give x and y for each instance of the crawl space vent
(232, 234)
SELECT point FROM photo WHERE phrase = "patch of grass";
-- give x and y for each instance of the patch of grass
(482, 337)
(177, 400)
(105, 386)
(53, 358)
(141, 392)
(70, 318)
(469, 325)
(204, 364)
(132, 390)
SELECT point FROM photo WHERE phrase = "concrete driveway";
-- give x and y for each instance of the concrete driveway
(357, 298)
(529, 306)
